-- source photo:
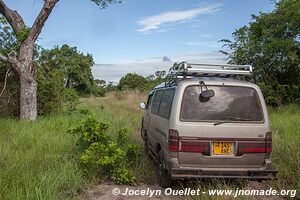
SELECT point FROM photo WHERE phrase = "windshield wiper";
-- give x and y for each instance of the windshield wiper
(231, 119)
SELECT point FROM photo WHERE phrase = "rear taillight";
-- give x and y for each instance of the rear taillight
(263, 146)
(195, 146)
(268, 142)
(173, 140)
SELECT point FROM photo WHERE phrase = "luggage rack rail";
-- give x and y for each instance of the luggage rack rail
(180, 71)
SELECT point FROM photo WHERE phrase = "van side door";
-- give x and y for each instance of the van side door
(164, 113)
(153, 114)
(160, 114)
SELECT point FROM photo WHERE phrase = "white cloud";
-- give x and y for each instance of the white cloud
(154, 22)
(204, 44)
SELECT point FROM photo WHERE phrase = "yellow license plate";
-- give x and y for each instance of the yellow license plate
(222, 148)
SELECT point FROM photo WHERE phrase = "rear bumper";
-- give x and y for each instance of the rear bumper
(263, 173)
(246, 174)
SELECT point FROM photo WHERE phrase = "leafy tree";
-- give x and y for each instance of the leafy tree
(100, 83)
(9, 94)
(132, 81)
(52, 95)
(99, 88)
(160, 74)
(20, 56)
(110, 87)
(271, 43)
(73, 65)
(150, 78)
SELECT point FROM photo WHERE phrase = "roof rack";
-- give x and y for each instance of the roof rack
(183, 70)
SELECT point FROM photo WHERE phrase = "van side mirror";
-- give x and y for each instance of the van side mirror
(142, 105)
(205, 95)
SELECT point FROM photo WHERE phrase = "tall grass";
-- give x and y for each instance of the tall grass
(285, 123)
(38, 160)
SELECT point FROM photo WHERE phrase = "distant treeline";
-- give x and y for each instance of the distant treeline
(132, 81)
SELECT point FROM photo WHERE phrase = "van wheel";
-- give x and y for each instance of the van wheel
(163, 177)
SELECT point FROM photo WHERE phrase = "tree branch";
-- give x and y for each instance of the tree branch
(12, 59)
(5, 82)
(41, 19)
(14, 19)
(3, 58)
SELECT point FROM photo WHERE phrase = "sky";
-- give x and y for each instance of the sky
(142, 36)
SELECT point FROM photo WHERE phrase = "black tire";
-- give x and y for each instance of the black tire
(163, 178)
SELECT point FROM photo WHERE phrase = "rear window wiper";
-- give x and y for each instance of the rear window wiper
(239, 119)
(231, 119)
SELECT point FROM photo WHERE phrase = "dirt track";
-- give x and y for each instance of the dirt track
(104, 191)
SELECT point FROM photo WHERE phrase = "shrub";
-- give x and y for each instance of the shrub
(124, 176)
(132, 153)
(9, 100)
(84, 111)
(50, 93)
(104, 153)
(71, 99)
(90, 131)
(276, 95)
(107, 156)
(52, 96)
(122, 137)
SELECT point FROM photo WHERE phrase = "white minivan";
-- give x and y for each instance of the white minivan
(204, 122)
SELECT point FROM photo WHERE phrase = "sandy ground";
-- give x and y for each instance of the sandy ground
(105, 191)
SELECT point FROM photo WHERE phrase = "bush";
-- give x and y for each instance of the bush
(104, 153)
(122, 138)
(84, 111)
(52, 96)
(276, 95)
(98, 91)
(124, 176)
(132, 153)
(50, 93)
(71, 99)
(9, 100)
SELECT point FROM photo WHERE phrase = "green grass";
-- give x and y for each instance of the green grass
(40, 160)
(285, 123)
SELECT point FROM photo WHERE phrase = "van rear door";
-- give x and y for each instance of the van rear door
(227, 130)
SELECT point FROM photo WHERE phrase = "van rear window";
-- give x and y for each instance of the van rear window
(232, 103)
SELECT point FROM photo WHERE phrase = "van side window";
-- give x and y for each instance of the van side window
(166, 103)
(149, 101)
(156, 101)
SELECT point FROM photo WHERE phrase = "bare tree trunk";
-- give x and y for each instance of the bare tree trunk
(28, 84)
(28, 97)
